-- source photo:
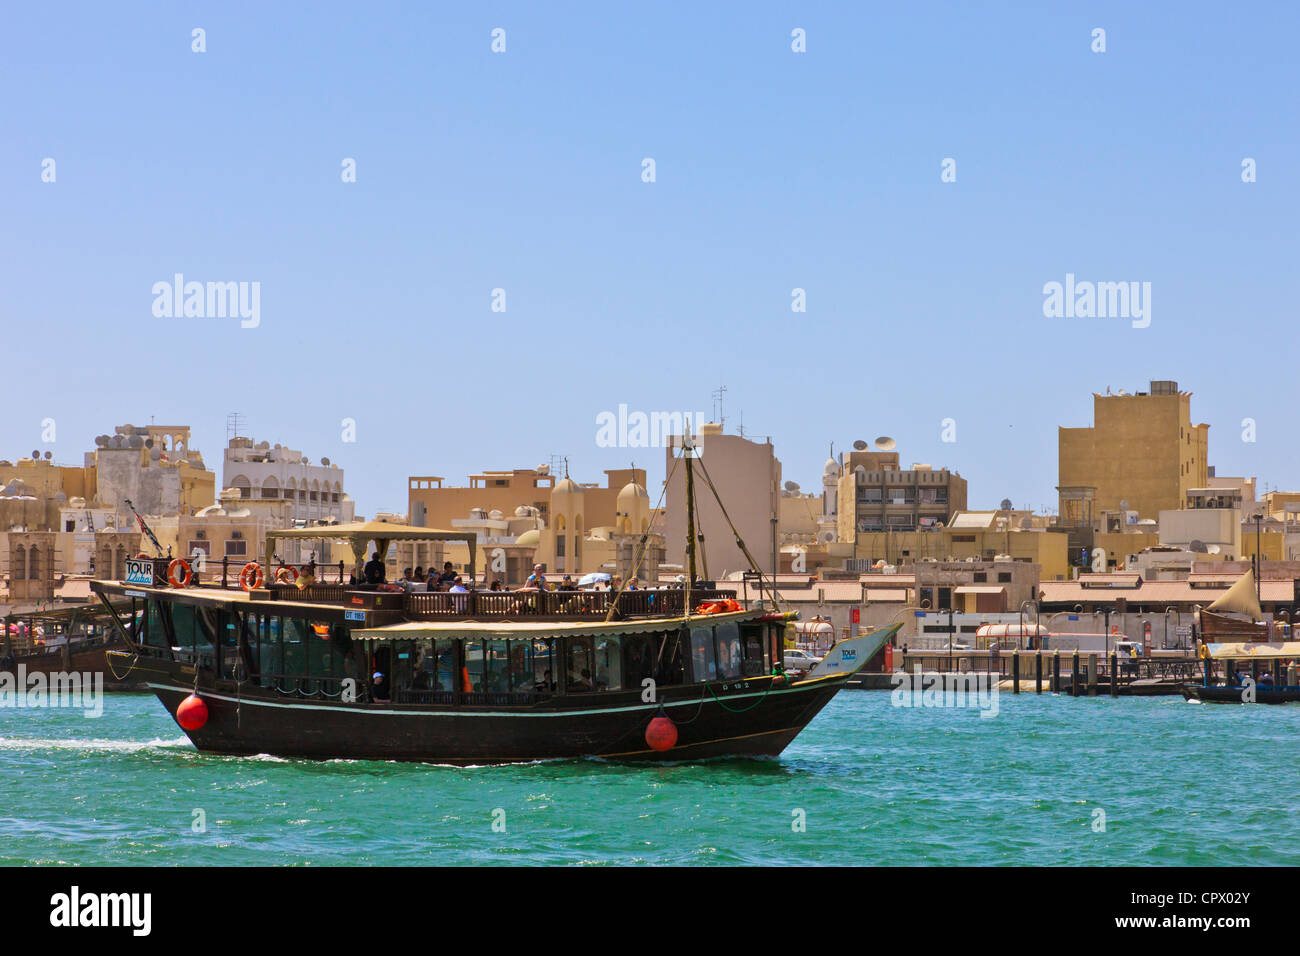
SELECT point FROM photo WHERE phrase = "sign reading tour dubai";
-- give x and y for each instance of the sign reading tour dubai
(139, 571)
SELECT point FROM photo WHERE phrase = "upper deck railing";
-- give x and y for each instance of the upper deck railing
(330, 587)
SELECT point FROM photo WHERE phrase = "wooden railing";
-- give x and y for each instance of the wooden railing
(577, 604)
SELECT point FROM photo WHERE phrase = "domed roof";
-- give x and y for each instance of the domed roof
(831, 468)
(632, 490)
(567, 486)
(529, 539)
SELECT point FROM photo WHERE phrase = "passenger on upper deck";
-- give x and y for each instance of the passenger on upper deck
(374, 572)
(419, 574)
(447, 578)
(537, 579)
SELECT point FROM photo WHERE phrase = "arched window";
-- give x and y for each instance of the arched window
(20, 563)
(34, 564)
(271, 487)
(244, 485)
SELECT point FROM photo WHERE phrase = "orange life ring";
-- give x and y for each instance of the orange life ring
(185, 578)
(251, 576)
(142, 556)
(282, 574)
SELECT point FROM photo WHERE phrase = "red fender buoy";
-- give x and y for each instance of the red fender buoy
(661, 733)
(192, 713)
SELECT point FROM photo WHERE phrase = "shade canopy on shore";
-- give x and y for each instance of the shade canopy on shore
(358, 534)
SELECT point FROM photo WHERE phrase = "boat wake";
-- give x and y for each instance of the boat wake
(94, 744)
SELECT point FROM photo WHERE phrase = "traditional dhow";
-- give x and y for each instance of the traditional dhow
(338, 671)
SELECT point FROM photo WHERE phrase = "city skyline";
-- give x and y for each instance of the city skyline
(782, 177)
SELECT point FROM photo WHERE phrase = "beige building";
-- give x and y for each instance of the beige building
(747, 476)
(877, 496)
(433, 505)
(1141, 454)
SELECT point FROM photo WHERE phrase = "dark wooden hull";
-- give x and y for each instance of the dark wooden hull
(750, 718)
(82, 660)
(1219, 694)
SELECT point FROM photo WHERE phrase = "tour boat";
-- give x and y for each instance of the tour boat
(1253, 672)
(293, 669)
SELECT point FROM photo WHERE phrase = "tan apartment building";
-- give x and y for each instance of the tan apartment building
(1142, 453)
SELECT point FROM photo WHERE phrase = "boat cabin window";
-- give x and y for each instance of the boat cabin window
(579, 665)
(730, 652)
(609, 664)
(704, 664)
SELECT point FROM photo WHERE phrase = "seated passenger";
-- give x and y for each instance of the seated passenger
(378, 689)
(447, 578)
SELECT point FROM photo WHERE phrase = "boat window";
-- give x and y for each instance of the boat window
(182, 628)
(729, 649)
(521, 666)
(295, 646)
(703, 664)
(545, 660)
(579, 665)
(609, 664)
(638, 660)
(496, 674)
(669, 664)
(473, 666)
(441, 665)
(270, 651)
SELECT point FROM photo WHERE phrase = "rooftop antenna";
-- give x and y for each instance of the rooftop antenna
(234, 422)
(742, 423)
(717, 405)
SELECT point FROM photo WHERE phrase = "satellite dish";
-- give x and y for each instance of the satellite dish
(1214, 549)
(48, 455)
(859, 445)
(1198, 546)
(148, 443)
(1006, 504)
(792, 486)
(325, 462)
(36, 453)
(885, 443)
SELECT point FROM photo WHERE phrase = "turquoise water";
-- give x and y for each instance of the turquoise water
(1179, 783)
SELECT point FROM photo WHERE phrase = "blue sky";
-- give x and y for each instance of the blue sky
(522, 171)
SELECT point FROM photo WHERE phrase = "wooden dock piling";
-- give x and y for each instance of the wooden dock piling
(1074, 674)
(1114, 674)
(1056, 671)
(1038, 672)
(1015, 671)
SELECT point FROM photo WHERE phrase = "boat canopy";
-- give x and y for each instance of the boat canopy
(517, 630)
(1253, 650)
(358, 534)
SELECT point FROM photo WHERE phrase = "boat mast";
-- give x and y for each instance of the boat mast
(690, 516)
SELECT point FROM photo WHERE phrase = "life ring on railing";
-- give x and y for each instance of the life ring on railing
(185, 578)
(725, 606)
(251, 576)
(142, 556)
(282, 574)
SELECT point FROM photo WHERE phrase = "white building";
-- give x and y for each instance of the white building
(262, 471)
